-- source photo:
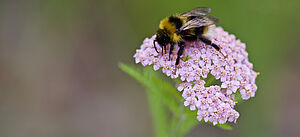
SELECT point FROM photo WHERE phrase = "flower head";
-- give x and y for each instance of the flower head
(230, 65)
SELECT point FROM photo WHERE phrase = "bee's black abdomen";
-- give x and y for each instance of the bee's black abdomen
(190, 37)
(176, 21)
(198, 30)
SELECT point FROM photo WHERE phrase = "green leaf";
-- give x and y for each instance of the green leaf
(238, 97)
(167, 87)
(166, 90)
(161, 95)
(155, 98)
(136, 74)
(211, 80)
(155, 85)
(185, 58)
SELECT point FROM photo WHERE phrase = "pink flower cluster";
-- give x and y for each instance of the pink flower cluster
(230, 65)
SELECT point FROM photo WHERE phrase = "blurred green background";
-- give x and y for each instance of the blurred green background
(59, 72)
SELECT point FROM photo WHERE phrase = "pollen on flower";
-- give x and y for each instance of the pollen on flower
(214, 103)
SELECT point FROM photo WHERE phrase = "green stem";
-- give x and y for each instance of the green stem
(178, 120)
(158, 113)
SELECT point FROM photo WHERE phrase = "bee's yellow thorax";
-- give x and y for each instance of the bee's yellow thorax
(165, 24)
(170, 28)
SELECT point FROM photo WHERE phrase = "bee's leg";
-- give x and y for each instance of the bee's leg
(171, 49)
(180, 52)
(208, 42)
(155, 46)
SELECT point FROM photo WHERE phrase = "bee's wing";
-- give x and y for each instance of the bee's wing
(197, 12)
(200, 21)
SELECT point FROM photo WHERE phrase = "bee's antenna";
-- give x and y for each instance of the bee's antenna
(155, 46)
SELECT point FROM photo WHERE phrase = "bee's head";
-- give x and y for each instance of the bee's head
(162, 37)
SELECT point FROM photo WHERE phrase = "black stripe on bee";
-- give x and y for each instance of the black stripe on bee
(176, 21)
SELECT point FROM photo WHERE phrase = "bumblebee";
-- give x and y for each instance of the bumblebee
(189, 26)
